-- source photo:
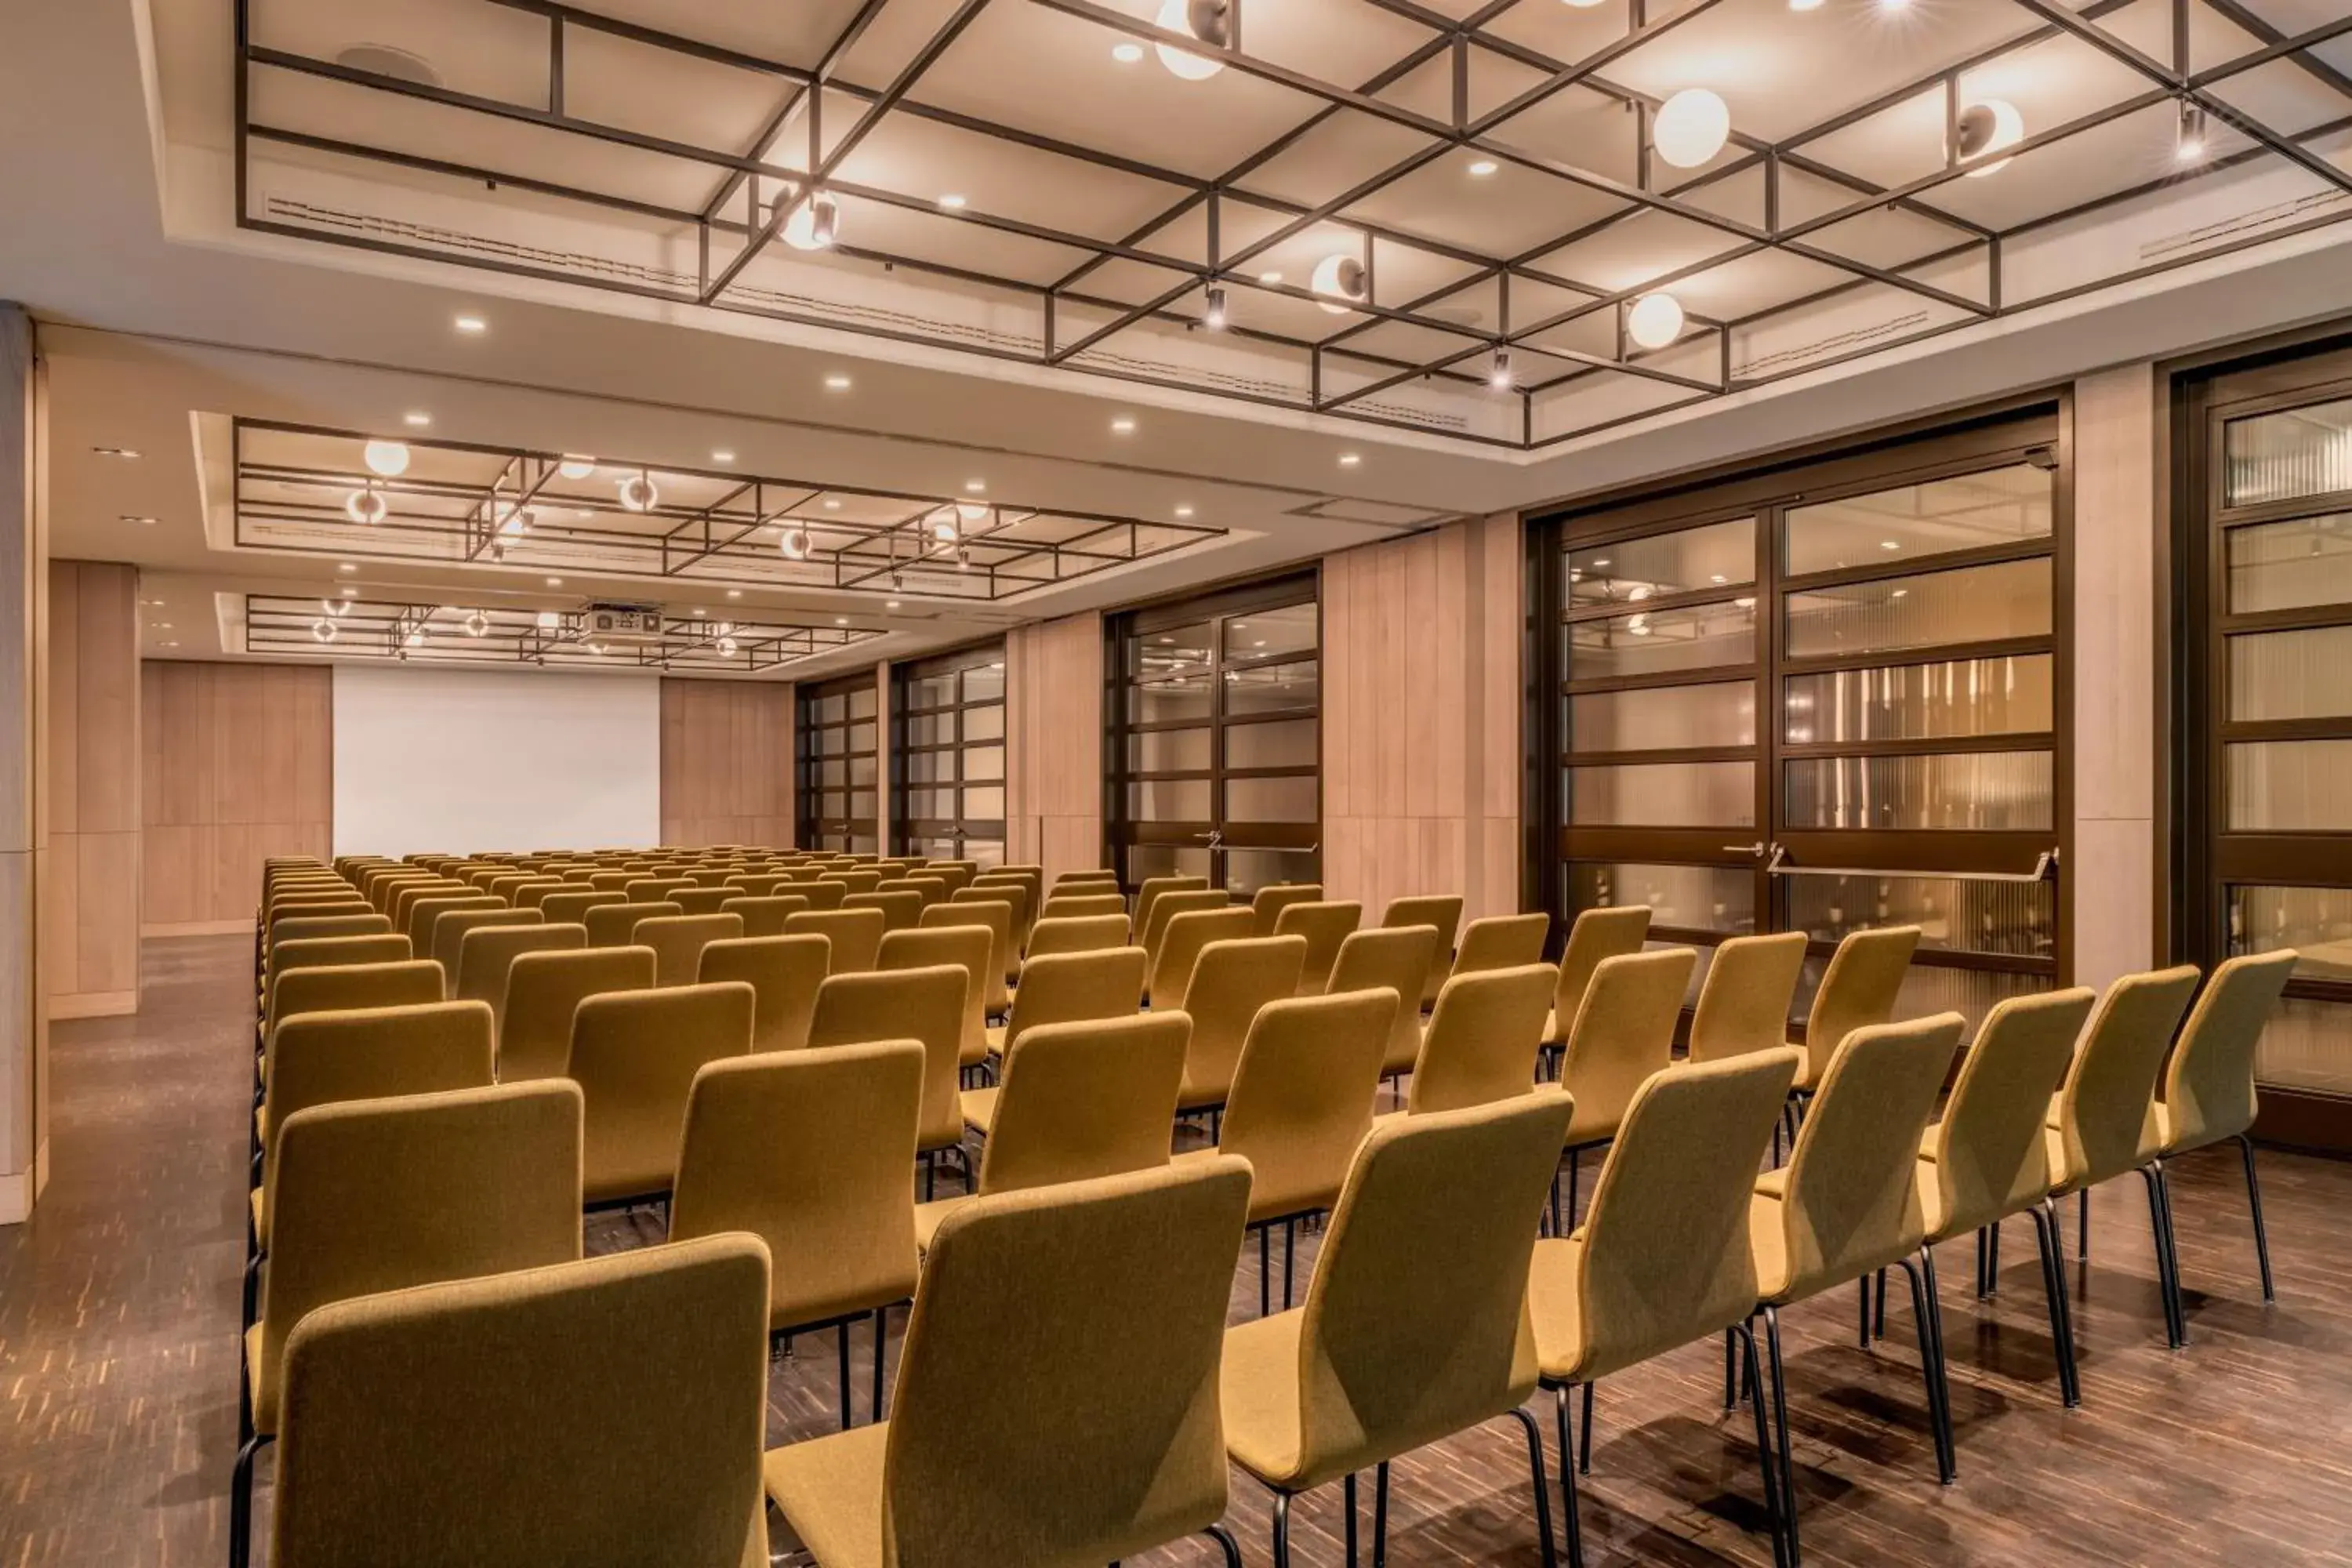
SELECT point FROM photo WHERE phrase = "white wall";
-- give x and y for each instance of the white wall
(467, 759)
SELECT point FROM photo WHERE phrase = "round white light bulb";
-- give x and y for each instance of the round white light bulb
(1176, 16)
(324, 631)
(1655, 320)
(639, 492)
(794, 544)
(477, 624)
(366, 507)
(576, 467)
(1691, 127)
(1340, 276)
(389, 458)
(2007, 130)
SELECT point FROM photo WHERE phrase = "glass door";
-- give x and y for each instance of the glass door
(839, 757)
(947, 757)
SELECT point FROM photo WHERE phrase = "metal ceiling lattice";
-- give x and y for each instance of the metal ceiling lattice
(1841, 217)
(468, 634)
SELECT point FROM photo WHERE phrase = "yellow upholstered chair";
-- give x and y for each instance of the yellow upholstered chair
(634, 1054)
(291, 958)
(1268, 904)
(1481, 1043)
(783, 972)
(650, 1365)
(1151, 931)
(756, 884)
(1501, 941)
(2208, 1093)
(1078, 1101)
(449, 935)
(543, 991)
(1147, 893)
(1070, 987)
(1860, 988)
(2102, 1124)
(678, 942)
(1015, 899)
(1077, 905)
(424, 912)
(1744, 1002)
(856, 880)
(405, 896)
(997, 920)
(311, 928)
(486, 957)
(1325, 925)
(820, 894)
(1596, 935)
(926, 1006)
(764, 915)
(1089, 933)
(344, 987)
(855, 935)
(1662, 1259)
(809, 1151)
(1848, 1202)
(956, 874)
(1398, 958)
(572, 908)
(1623, 1031)
(1100, 1426)
(970, 948)
(1231, 980)
(656, 889)
(1442, 912)
(899, 911)
(1416, 1324)
(610, 881)
(615, 925)
(702, 899)
(1086, 877)
(1182, 935)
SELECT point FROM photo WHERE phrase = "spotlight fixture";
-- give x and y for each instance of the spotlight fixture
(1482, 167)
(945, 525)
(511, 519)
(1269, 279)
(1184, 511)
(1123, 425)
(813, 223)
(115, 451)
(477, 624)
(415, 638)
(1350, 459)
(417, 421)
(975, 487)
(1691, 127)
(2188, 141)
(555, 582)
(323, 630)
(1212, 314)
(333, 608)
(472, 326)
(726, 647)
(1126, 54)
(1655, 320)
(347, 592)
(638, 491)
(1986, 128)
(549, 620)
(389, 458)
(576, 467)
(832, 504)
(722, 454)
(1499, 374)
(794, 544)
(365, 506)
(1340, 277)
(951, 203)
(963, 558)
(1211, 21)
(734, 593)
(597, 649)
(837, 381)
(345, 566)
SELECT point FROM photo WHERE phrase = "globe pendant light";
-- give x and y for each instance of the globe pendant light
(1691, 128)
(1206, 20)
(388, 458)
(1341, 278)
(1655, 320)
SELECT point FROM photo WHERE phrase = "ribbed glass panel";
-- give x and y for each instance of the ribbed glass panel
(1290, 743)
(2316, 921)
(1663, 795)
(2292, 675)
(1919, 701)
(1928, 990)
(2016, 920)
(1976, 604)
(1988, 791)
(2290, 565)
(1721, 555)
(1272, 800)
(1270, 691)
(2308, 1045)
(1697, 897)
(1168, 752)
(2283, 456)
(1643, 643)
(2290, 786)
(1912, 521)
(1262, 634)
(1663, 718)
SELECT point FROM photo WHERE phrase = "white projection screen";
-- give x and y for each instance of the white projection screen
(463, 760)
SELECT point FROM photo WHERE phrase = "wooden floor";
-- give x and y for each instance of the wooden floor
(118, 1342)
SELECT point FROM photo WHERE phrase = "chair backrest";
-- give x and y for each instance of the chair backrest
(449, 934)
(298, 927)
(610, 881)
(809, 1152)
(1416, 1320)
(1151, 934)
(1851, 1201)
(1268, 904)
(1015, 899)
(1860, 988)
(1072, 987)
(971, 948)
(1325, 925)
(424, 912)
(1103, 1427)
(1597, 935)
(763, 914)
(1302, 1095)
(702, 898)
(678, 942)
(1666, 1258)
(2106, 1111)
(634, 1054)
(370, 1053)
(1501, 941)
(1182, 935)
(1087, 933)
(570, 908)
(656, 889)
(1086, 1099)
(651, 1365)
(855, 935)
(1624, 1032)
(486, 957)
(1231, 980)
(1481, 1042)
(783, 972)
(341, 987)
(997, 920)
(822, 894)
(1399, 958)
(1443, 911)
(379, 1194)
(1076, 905)
(1744, 1002)
(899, 911)
(405, 896)
(855, 878)
(290, 958)
(615, 925)
(1991, 1155)
(1148, 892)
(926, 1006)
(2208, 1086)
(756, 884)
(545, 990)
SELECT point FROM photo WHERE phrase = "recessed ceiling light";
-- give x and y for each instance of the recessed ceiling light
(722, 456)
(1350, 459)
(952, 202)
(698, 611)
(147, 521)
(576, 467)
(1126, 54)
(351, 593)
(1890, 544)
(115, 451)
(471, 325)
(171, 645)
(1183, 511)
(417, 420)
(345, 566)
(555, 582)
(975, 487)
(159, 626)
(837, 381)
(1805, 4)
(1269, 279)
(734, 593)
(832, 505)
(1483, 168)
(841, 620)
(1122, 426)
(891, 606)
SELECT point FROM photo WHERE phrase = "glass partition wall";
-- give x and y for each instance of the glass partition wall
(837, 740)
(1215, 738)
(946, 755)
(1823, 698)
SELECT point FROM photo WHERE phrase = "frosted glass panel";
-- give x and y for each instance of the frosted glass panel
(1969, 512)
(1920, 701)
(2280, 456)
(1663, 795)
(2308, 1044)
(1697, 897)
(1289, 743)
(2292, 675)
(1978, 603)
(1718, 555)
(2007, 791)
(2290, 786)
(1928, 990)
(1650, 644)
(1168, 752)
(1264, 634)
(1662, 718)
(1271, 800)
(2290, 565)
(2016, 919)
(2317, 921)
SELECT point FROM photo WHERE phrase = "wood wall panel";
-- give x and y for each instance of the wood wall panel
(727, 762)
(1421, 714)
(90, 894)
(1053, 755)
(237, 765)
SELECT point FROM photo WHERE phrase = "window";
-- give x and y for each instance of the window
(1215, 738)
(839, 761)
(947, 757)
(1821, 699)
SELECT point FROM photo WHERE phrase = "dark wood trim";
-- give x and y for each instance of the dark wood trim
(2306, 1120)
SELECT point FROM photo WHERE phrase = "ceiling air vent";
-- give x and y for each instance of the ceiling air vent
(1785, 360)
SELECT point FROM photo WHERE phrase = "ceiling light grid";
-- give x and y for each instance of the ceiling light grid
(483, 634)
(1292, 238)
(466, 503)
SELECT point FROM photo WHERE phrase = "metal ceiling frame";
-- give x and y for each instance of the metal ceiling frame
(373, 628)
(754, 200)
(983, 560)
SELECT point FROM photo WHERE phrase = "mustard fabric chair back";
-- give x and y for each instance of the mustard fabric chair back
(1664, 1256)
(1072, 987)
(405, 896)
(486, 957)
(1062, 905)
(1745, 1000)
(1090, 933)
(1147, 893)
(855, 935)
(1325, 925)
(615, 925)
(763, 914)
(655, 890)
(702, 899)
(1102, 1424)
(1624, 1031)
(1482, 1041)
(570, 907)
(1302, 1096)
(809, 1152)
(291, 958)
(527, 893)
(1182, 935)
(969, 948)
(678, 942)
(1860, 988)
(997, 920)
(313, 906)
(855, 879)
(634, 1054)
(756, 884)
(1416, 1321)
(344, 987)
(930, 889)
(1153, 931)
(651, 1365)
(926, 1006)
(820, 894)
(369, 1195)
(1443, 912)
(2208, 1084)
(1268, 904)
(449, 935)
(1090, 877)
(1850, 1202)
(900, 911)
(1398, 958)
(1596, 936)
(545, 990)
(1015, 901)
(298, 927)
(2106, 1111)
(1990, 1156)
(1501, 941)
(424, 912)
(1079, 1101)
(610, 881)
(1231, 981)
(713, 876)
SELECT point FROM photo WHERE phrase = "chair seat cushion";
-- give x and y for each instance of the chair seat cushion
(929, 1218)
(996, 1038)
(1556, 1306)
(1259, 1382)
(1804, 1064)
(980, 1107)
(829, 1491)
(1767, 1238)
(1597, 1125)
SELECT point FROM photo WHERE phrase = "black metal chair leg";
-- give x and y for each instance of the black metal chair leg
(2254, 1202)
(841, 1335)
(1575, 1166)
(1381, 1511)
(1225, 1543)
(2083, 1225)
(1878, 1325)
(1992, 1260)
(1767, 1464)
(1281, 1530)
(1788, 1460)
(1982, 1292)
(2053, 1286)
(1730, 1369)
(1289, 1257)
(1556, 1230)
(240, 1502)
(1931, 1365)
(2174, 1334)
(1347, 1492)
(881, 1346)
(1265, 1271)
(1584, 1435)
(1568, 1480)
(2172, 1253)
(1864, 1339)
(1528, 1424)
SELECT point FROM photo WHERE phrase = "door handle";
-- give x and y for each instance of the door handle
(1745, 848)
